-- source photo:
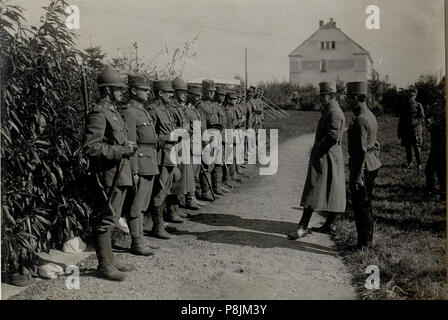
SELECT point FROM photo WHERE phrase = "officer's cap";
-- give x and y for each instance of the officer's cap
(327, 87)
(340, 87)
(137, 81)
(231, 95)
(179, 84)
(220, 90)
(195, 89)
(208, 84)
(164, 85)
(110, 77)
(357, 87)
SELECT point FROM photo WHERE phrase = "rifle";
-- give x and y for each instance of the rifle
(208, 181)
(274, 106)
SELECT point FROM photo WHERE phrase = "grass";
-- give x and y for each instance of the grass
(410, 227)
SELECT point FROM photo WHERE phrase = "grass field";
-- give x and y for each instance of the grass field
(410, 228)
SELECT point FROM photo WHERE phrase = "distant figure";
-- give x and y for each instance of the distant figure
(325, 182)
(364, 163)
(436, 164)
(410, 128)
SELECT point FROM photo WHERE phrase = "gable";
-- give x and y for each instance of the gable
(343, 43)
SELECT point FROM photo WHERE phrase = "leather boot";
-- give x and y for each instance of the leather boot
(190, 202)
(181, 213)
(171, 215)
(121, 266)
(158, 228)
(103, 248)
(216, 180)
(138, 247)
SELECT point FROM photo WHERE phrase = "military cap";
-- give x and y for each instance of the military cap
(340, 87)
(110, 77)
(220, 90)
(250, 89)
(195, 89)
(357, 87)
(164, 85)
(137, 81)
(179, 84)
(231, 95)
(327, 87)
(208, 84)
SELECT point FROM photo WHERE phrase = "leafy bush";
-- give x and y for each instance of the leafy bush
(42, 131)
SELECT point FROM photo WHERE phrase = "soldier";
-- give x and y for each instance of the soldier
(364, 163)
(324, 188)
(210, 120)
(233, 122)
(186, 183)
(436, 163)
(194, 99)
(143, 163)
(165, 125)
(109, 150)
(410, 128)
(217, 173)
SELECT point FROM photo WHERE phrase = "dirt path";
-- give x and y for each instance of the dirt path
(234, 248)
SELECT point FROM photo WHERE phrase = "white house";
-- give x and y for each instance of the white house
(328, 55)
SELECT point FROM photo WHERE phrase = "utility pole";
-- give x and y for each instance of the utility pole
(245, 67)
(136, 55)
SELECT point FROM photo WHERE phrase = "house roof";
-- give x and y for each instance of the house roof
(330, 25)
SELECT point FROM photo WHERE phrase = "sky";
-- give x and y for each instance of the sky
(410, 41)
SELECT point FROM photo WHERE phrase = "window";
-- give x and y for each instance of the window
(333, 44)
(323, 65)
(321, 45)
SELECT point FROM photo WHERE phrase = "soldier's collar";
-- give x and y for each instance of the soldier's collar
(108, 105)
(136, 104)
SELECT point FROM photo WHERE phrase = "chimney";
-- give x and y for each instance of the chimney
(321, 23)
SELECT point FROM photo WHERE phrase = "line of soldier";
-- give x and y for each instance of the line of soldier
(129, 150)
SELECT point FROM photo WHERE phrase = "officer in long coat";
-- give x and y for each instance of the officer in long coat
(325, 182)
(143, 163)
(186, 182)
(165, 125)
(364, 162)
(109, 150)
(410, 128)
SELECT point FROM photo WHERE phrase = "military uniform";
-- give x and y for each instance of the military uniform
(164, 125)
(107, 146)
(364, 163)
(410, 130)
(436, 163)
(143, 164)
(210, 120)
(324, 188)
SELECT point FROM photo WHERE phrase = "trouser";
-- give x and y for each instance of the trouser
(436, 165)
(136, 204)
(204, 176)
(362, 208)
(408, 146)
(162, 185)
(106, 218)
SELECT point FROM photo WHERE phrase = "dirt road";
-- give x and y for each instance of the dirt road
(234, 248)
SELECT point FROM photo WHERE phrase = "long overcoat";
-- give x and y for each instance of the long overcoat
(325, 182)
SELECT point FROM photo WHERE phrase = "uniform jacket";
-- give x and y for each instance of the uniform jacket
(164, 125)
(325, 182)
(363, 147)
(209, 114)
(106, 133)
(141, 130)
(411, 120)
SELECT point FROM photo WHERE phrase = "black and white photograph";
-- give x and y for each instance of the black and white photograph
(223, 150)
